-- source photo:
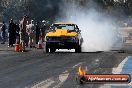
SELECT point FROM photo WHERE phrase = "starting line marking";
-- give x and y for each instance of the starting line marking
(120, 66)
(124, 67)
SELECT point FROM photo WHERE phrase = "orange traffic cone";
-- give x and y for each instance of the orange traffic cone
(40, 43)
(20, 47)
(17, 48)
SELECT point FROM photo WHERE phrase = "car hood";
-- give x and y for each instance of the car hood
(61, 32)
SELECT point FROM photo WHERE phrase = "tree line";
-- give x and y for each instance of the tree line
(48, 9)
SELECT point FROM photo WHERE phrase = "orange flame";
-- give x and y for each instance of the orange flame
(81, 71)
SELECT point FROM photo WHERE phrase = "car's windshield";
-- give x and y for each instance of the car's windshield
(69, 27)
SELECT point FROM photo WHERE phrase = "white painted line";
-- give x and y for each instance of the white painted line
(117, 70)
(120, 66)
(77, 64)
(62, 78)
(44, 84)
(47, 83)
(118, 85)
(129, 84)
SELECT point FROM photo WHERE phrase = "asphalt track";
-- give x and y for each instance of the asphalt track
(36, 69)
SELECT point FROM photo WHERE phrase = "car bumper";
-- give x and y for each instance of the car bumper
(61, 45)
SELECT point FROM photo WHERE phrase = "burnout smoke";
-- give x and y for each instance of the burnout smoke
(98, 30)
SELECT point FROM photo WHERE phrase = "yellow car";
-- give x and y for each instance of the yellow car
(63, 36)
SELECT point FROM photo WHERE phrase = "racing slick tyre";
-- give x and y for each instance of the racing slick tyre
(52, 50)
(47, 49)
(78, 49)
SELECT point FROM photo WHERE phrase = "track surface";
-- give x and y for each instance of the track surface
(36, 69)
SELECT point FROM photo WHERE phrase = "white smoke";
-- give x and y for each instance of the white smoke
(98, 30)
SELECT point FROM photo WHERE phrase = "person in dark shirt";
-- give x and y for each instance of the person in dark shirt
(3, 29)
(17, 28)
(12, 33)
(37, 32)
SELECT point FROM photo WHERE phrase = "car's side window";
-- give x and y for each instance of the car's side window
(52, 28)
(76, 28)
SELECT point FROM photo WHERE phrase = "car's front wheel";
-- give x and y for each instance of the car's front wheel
(78, 49)
(46, 49)
(52, 50)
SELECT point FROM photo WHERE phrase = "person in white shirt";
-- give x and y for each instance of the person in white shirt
(31, 32)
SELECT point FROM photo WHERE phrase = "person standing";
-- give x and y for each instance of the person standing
(12, 33)
(23, 33)
(43, 29)
(17, 31)
(37, 32)
(3, 29)
(31, 34)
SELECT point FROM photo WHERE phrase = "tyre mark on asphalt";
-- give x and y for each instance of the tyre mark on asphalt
(43, 84)
(11, 74)
(54, 64)
(52, 82)
(60, 79)
(26, 63)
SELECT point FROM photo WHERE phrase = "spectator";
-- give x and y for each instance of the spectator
(43, 29)
(3, 29)
(31, 33)
(12, 33)
(37, 32)
(17, 31)
(23, 33)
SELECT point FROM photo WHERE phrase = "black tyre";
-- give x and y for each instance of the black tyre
(47, 49)
(52, 50)
(78, 49)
